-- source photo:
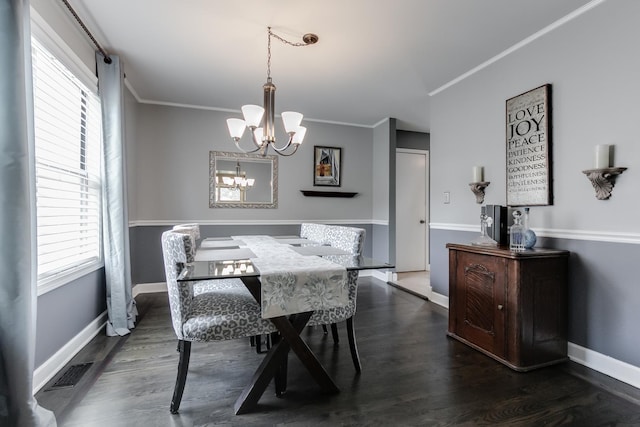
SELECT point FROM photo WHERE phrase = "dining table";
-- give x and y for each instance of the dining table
(290, 278)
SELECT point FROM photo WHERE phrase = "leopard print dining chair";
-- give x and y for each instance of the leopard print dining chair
(349, 239)
(229, 285)
(220, 314)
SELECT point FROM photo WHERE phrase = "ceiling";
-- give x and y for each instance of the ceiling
(374, 59)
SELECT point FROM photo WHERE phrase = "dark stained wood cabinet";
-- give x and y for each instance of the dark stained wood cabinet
(512, 306)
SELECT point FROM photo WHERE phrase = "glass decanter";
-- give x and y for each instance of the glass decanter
(516, 239)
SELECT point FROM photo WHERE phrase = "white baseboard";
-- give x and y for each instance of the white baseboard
(55, 363)
(439, 299)
(385, 276)
(614, 368)
(147, 288)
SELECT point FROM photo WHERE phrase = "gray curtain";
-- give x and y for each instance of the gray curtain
(121, 306)
(18, 249)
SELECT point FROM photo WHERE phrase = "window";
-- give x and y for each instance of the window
(68, 125)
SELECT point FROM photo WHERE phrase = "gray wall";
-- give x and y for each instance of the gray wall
(65, 311)
(168, 182)
(170, 174)
(594, 74)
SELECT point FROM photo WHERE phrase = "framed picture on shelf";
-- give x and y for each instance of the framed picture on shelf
(528, 146)
(327, 166)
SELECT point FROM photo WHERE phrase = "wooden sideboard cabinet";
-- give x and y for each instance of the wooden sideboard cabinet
(511, 306)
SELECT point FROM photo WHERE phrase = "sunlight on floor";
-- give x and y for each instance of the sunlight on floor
(415, 281)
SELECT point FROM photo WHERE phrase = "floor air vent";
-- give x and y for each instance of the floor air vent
(72, 376)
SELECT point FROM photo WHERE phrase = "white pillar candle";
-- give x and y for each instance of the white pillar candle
(602, 156)
(478, 174)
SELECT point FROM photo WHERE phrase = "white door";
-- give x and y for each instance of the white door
(412, 222)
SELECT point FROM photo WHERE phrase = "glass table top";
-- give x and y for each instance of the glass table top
(206, 270)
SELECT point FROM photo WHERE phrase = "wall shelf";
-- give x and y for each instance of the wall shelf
(313, 193)
(603, 180)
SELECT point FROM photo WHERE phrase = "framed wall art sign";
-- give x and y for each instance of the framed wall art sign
(528, 134)
(327, 166)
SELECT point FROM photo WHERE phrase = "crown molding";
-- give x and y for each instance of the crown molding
(549, 28)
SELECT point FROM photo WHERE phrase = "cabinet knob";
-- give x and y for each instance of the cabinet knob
(500, 307)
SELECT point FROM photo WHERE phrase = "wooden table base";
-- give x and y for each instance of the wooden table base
(290, 329)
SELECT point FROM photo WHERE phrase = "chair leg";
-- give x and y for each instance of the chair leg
(324, 329)
(184, 347)
(258, 343)
(334, 332)
(352, 344)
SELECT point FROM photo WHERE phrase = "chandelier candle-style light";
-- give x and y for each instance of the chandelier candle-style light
(260, 120)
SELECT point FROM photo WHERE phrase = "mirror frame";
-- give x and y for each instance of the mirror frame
(225, 155)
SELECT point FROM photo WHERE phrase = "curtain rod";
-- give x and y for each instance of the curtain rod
(107, 59)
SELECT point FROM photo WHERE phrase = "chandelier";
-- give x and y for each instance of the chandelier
(260, 120)
(239, 180)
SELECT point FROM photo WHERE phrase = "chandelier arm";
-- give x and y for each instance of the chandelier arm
(257, 143)
(282, 150)
(282, 153)
(284, 147)
(243, 150)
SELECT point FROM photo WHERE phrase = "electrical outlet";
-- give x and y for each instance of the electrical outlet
(447, 197)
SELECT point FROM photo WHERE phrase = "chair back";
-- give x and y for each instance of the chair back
(192, 228)
(191, 245)
(314, 232)
(174, 252)
(348, 239)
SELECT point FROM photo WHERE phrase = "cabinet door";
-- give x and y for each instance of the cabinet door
(480, 301)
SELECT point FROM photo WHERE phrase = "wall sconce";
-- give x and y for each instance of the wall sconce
(479, 184)
(603, 177)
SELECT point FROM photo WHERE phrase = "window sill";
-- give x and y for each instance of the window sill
(63, 279)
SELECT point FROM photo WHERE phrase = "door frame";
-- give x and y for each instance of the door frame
(426, 153)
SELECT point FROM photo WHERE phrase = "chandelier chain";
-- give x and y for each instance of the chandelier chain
(283, 40)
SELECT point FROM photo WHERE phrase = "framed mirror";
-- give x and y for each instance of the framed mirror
(240, 180)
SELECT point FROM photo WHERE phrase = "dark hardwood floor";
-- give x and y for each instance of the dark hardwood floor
(412, 374)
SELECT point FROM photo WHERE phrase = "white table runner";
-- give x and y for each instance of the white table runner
(223, 254)
(319, 250)
(294, 283)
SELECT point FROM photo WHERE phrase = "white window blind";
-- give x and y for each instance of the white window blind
(68, 125)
